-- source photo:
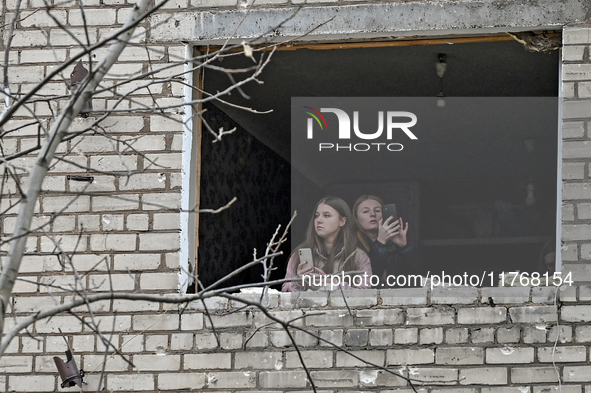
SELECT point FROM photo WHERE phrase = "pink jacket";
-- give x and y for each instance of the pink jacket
(361, 263)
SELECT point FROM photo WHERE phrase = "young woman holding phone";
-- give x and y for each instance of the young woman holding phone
(384, 239)
(331, 238)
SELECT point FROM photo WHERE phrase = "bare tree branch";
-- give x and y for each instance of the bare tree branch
(10, 269)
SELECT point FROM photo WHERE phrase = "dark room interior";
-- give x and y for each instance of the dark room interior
(492, 210)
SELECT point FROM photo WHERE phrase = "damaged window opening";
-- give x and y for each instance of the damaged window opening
(479, 200)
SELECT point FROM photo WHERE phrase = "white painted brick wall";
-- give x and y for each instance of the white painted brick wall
(534, 375)
(162, 161)
(280, 339)
(16, 364)
(379, 317)
(157, 362)
(161, 201)
(576, 35)
(136, 261)
(483, 376)
(95, 362)
(459, 355)
(124, 202)
(174, 381)
(568, 90)
(158, 281)
(316, 359)
(99, 184)
(156, 343)
(20, 74)
(456, 335)
(114, 282)
(141, 382)
(406, 336)
(66, 243)
(89, 222)
(576, 373)
(565, 334)
(282, 379)
(345, 360)
(573, 52)
(534, 364)
(64, 224)
(113, 242)
(580, 149)
(517, 355)
(143, 143)
(576, 90)
(429, 316)
(103, 16)
(66, 204)
(331, 337)
(431, 336)
(452, 354)
(149, 322)
(482, 315)
(429, 375)
(573, 170)
(381, 337)
(40, 19)
(68, 324)
(34, 383)
(59, 37)
(410, 356)
(533, 335)
(562, 354)
(143, 181)
(43, 56)
(114, 163)
(508, 335)
(265, 361)
(158, 241)
(576, 232)
(50, 89)
(137, 222)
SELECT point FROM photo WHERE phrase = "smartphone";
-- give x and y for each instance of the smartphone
(389, 210)
(306, 257)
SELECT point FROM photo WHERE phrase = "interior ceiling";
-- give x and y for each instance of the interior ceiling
(479, 69)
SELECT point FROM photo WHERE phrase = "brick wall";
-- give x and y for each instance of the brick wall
(449, 339)
(576, 152)
(128, 225)
(455, 340)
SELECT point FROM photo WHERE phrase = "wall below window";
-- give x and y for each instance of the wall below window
(480, 342)
(491, 340)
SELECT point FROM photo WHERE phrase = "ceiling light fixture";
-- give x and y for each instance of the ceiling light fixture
(441, 67)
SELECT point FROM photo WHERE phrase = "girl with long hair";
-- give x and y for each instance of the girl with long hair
(331, 236)
(384, 240)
